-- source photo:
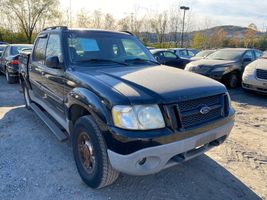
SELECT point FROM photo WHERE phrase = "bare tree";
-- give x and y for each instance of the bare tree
(97, 19)
(29, 12)
(83, 19)
(109, 22)
(159, 25)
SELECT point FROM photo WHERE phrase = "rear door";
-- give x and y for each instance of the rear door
(36, 66)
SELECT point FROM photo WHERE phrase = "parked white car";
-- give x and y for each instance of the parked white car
(255, 75)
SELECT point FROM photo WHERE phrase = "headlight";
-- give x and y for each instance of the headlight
(220, 69)
(140, 117)
(188, 67)
(249, 70)
(229, 99)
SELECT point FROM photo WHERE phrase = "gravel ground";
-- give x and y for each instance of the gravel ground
(34, 165)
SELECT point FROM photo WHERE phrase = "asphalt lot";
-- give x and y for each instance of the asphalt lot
(34, 165)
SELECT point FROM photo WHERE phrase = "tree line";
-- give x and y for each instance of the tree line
(21, 20)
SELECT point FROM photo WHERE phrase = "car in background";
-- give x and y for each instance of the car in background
(184, 53)
(2, 47)
(255, 76)
(150, 48)
(9, 61)
(3, 43)
(202, 54)
(225, 65)
(168, 58)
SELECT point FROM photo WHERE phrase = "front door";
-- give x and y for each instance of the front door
(53, 76)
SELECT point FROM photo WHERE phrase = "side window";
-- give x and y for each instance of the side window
(169, 55)
(258, 54)
(190, 53)
(183, 53)
(6, 51)
(54, 47)
(248, 55)
(39, 50)
(132, 49)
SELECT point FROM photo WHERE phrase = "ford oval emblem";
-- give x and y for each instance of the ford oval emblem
(205, 110)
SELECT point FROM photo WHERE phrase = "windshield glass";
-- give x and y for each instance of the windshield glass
(226, 54)
(18, 49)
(203, 53)
(98, 47)
(2, 48)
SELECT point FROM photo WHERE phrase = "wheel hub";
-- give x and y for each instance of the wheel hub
(86, 153)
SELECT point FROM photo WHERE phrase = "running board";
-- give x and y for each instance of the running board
(60, 135)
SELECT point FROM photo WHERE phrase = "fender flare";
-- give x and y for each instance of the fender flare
(92, 103)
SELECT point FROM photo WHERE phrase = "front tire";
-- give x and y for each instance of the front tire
(232, 80)
(90, 154)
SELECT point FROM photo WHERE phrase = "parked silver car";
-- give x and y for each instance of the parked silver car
(255, 75)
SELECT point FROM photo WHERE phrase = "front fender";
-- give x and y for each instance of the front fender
(91, 102)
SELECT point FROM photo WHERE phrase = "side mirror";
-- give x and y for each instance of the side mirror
(157, 58)
(53, 62)
(246, 60)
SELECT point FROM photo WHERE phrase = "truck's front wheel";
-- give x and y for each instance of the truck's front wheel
(90, 154)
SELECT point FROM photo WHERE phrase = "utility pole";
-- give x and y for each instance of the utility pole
(182, 37)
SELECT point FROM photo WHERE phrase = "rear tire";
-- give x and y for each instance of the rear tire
(90, 154)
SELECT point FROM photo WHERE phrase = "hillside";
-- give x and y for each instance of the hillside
(229, 29)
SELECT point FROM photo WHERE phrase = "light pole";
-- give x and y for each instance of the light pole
(182, 37)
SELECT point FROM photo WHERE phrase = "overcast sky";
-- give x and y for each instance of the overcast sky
(222, 12)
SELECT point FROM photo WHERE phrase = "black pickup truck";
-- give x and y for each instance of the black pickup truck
(122, 111)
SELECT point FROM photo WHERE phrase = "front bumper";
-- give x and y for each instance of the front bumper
(250, 82)
(154, 159)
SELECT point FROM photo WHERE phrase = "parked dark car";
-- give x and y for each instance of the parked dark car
(225, 65)
(9, 61)
(3, 43)
(202, 54)
(121, 109)
(2, 47)
(184, 53)
(168, 58)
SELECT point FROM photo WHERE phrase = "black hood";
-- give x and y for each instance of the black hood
(212, 63)
(158, 84)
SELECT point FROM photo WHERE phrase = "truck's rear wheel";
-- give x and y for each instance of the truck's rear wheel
(90, 154)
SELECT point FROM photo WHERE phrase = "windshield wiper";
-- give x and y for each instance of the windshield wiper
(141, 60)
(104, 60)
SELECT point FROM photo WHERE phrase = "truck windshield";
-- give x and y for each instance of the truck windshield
(109, 48)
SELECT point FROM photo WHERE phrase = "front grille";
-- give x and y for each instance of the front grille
(261, 74)
(186, 114)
